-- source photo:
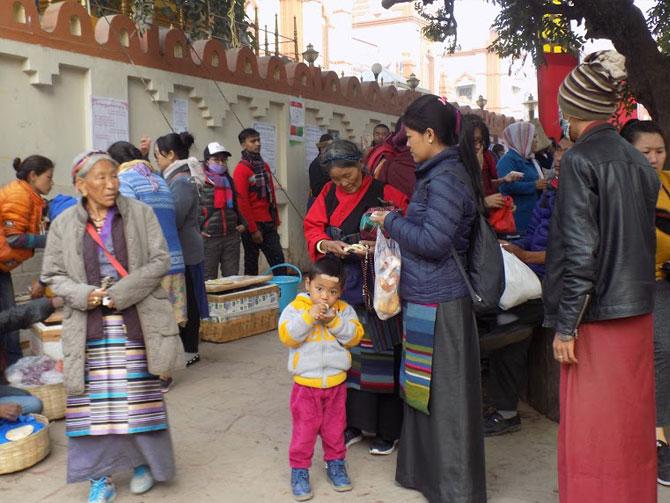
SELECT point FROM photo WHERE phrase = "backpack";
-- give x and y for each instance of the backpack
(485, 273)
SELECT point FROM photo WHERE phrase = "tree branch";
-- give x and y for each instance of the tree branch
(387, 4)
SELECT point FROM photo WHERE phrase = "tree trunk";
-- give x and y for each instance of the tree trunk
(648, 69)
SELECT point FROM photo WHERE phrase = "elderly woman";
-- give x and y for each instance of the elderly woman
(332, 224)
(521, 140)
(441, 450)
(106, 256)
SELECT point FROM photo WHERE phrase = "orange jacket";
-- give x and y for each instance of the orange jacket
(21, 210)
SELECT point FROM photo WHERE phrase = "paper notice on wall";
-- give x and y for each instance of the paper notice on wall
(296, 110)
(312, 136)
(179, 114)
(109, 122)
(268, 134)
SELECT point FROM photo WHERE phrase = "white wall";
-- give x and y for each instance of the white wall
(53, 119)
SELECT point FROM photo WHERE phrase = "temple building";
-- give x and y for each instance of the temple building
(352, 35)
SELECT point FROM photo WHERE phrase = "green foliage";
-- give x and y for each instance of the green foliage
(141, 12)
(224, 20)
(442, 26)
(658, 19)
(524, 27)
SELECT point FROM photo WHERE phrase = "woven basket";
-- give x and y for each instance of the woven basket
(54, 399)
(237, 328)
(22, 454)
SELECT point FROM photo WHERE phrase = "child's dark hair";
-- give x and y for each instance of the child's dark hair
(180, 144)
(123, 151)
(246, 134)
(632, 129)
(329, 265)
(382, 126)
(37, 164)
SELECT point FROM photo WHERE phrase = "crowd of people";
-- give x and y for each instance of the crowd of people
(127, 259)
(600, 245)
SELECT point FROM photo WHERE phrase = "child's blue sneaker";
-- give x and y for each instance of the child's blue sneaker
(337, 475)
(102, 491)
(142, 480)
(302, 491)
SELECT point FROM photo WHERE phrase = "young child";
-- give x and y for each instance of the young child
(318, 327)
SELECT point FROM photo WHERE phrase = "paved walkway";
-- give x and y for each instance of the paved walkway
(231, 425)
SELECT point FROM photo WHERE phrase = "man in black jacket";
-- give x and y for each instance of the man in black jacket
(598, 296)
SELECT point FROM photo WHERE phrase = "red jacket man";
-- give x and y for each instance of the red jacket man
(258, 204)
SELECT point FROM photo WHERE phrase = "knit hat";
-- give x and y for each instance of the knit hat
(593, 89)
(83, 163)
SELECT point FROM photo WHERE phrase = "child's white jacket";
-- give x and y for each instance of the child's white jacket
(318, 357)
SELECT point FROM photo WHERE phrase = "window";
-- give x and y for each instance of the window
(465, 92)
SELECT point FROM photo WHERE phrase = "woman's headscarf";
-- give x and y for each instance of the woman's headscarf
(543, 141)
(85, 161)
(519, 137)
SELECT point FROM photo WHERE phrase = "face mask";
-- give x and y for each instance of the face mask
(217, 167)
(565, 125)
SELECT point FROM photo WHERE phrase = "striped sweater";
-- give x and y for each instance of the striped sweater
(139, 181)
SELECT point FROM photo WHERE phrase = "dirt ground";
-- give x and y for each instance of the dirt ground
(230, 426)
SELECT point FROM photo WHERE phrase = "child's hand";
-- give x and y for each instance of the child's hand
(328, 315)
(317, 310)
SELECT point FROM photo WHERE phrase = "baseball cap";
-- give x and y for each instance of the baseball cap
(215, 148)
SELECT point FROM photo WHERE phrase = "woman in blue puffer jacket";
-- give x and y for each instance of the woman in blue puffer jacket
(520, 138)
(441, 451)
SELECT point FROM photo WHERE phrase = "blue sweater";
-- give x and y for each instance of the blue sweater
(537, 234)
(524, 192)
(441, 213)
(160, 199)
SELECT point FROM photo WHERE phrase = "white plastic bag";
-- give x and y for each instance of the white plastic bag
(387, 277)
(31, 371)
(521, 283)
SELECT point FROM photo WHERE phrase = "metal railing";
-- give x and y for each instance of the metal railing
(260, 39)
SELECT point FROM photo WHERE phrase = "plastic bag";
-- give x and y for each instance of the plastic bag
(33, 371)
(387, 277)
(502, 219)
(521, 283)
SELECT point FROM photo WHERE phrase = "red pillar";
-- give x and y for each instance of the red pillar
(549, 78)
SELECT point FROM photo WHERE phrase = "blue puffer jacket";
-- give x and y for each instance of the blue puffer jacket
(537, 234)
(523, 192)
(441, 212)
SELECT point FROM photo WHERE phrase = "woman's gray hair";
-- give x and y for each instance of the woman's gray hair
(84, 162)
(341, 154)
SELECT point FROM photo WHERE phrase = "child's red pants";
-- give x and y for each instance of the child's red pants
(317, 411)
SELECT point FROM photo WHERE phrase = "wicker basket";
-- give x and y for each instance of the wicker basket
(54, 399)
(237, 328)
(22, 454)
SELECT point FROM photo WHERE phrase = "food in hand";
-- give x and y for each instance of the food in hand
(356, 247)
(388, 304)
(387, 281)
